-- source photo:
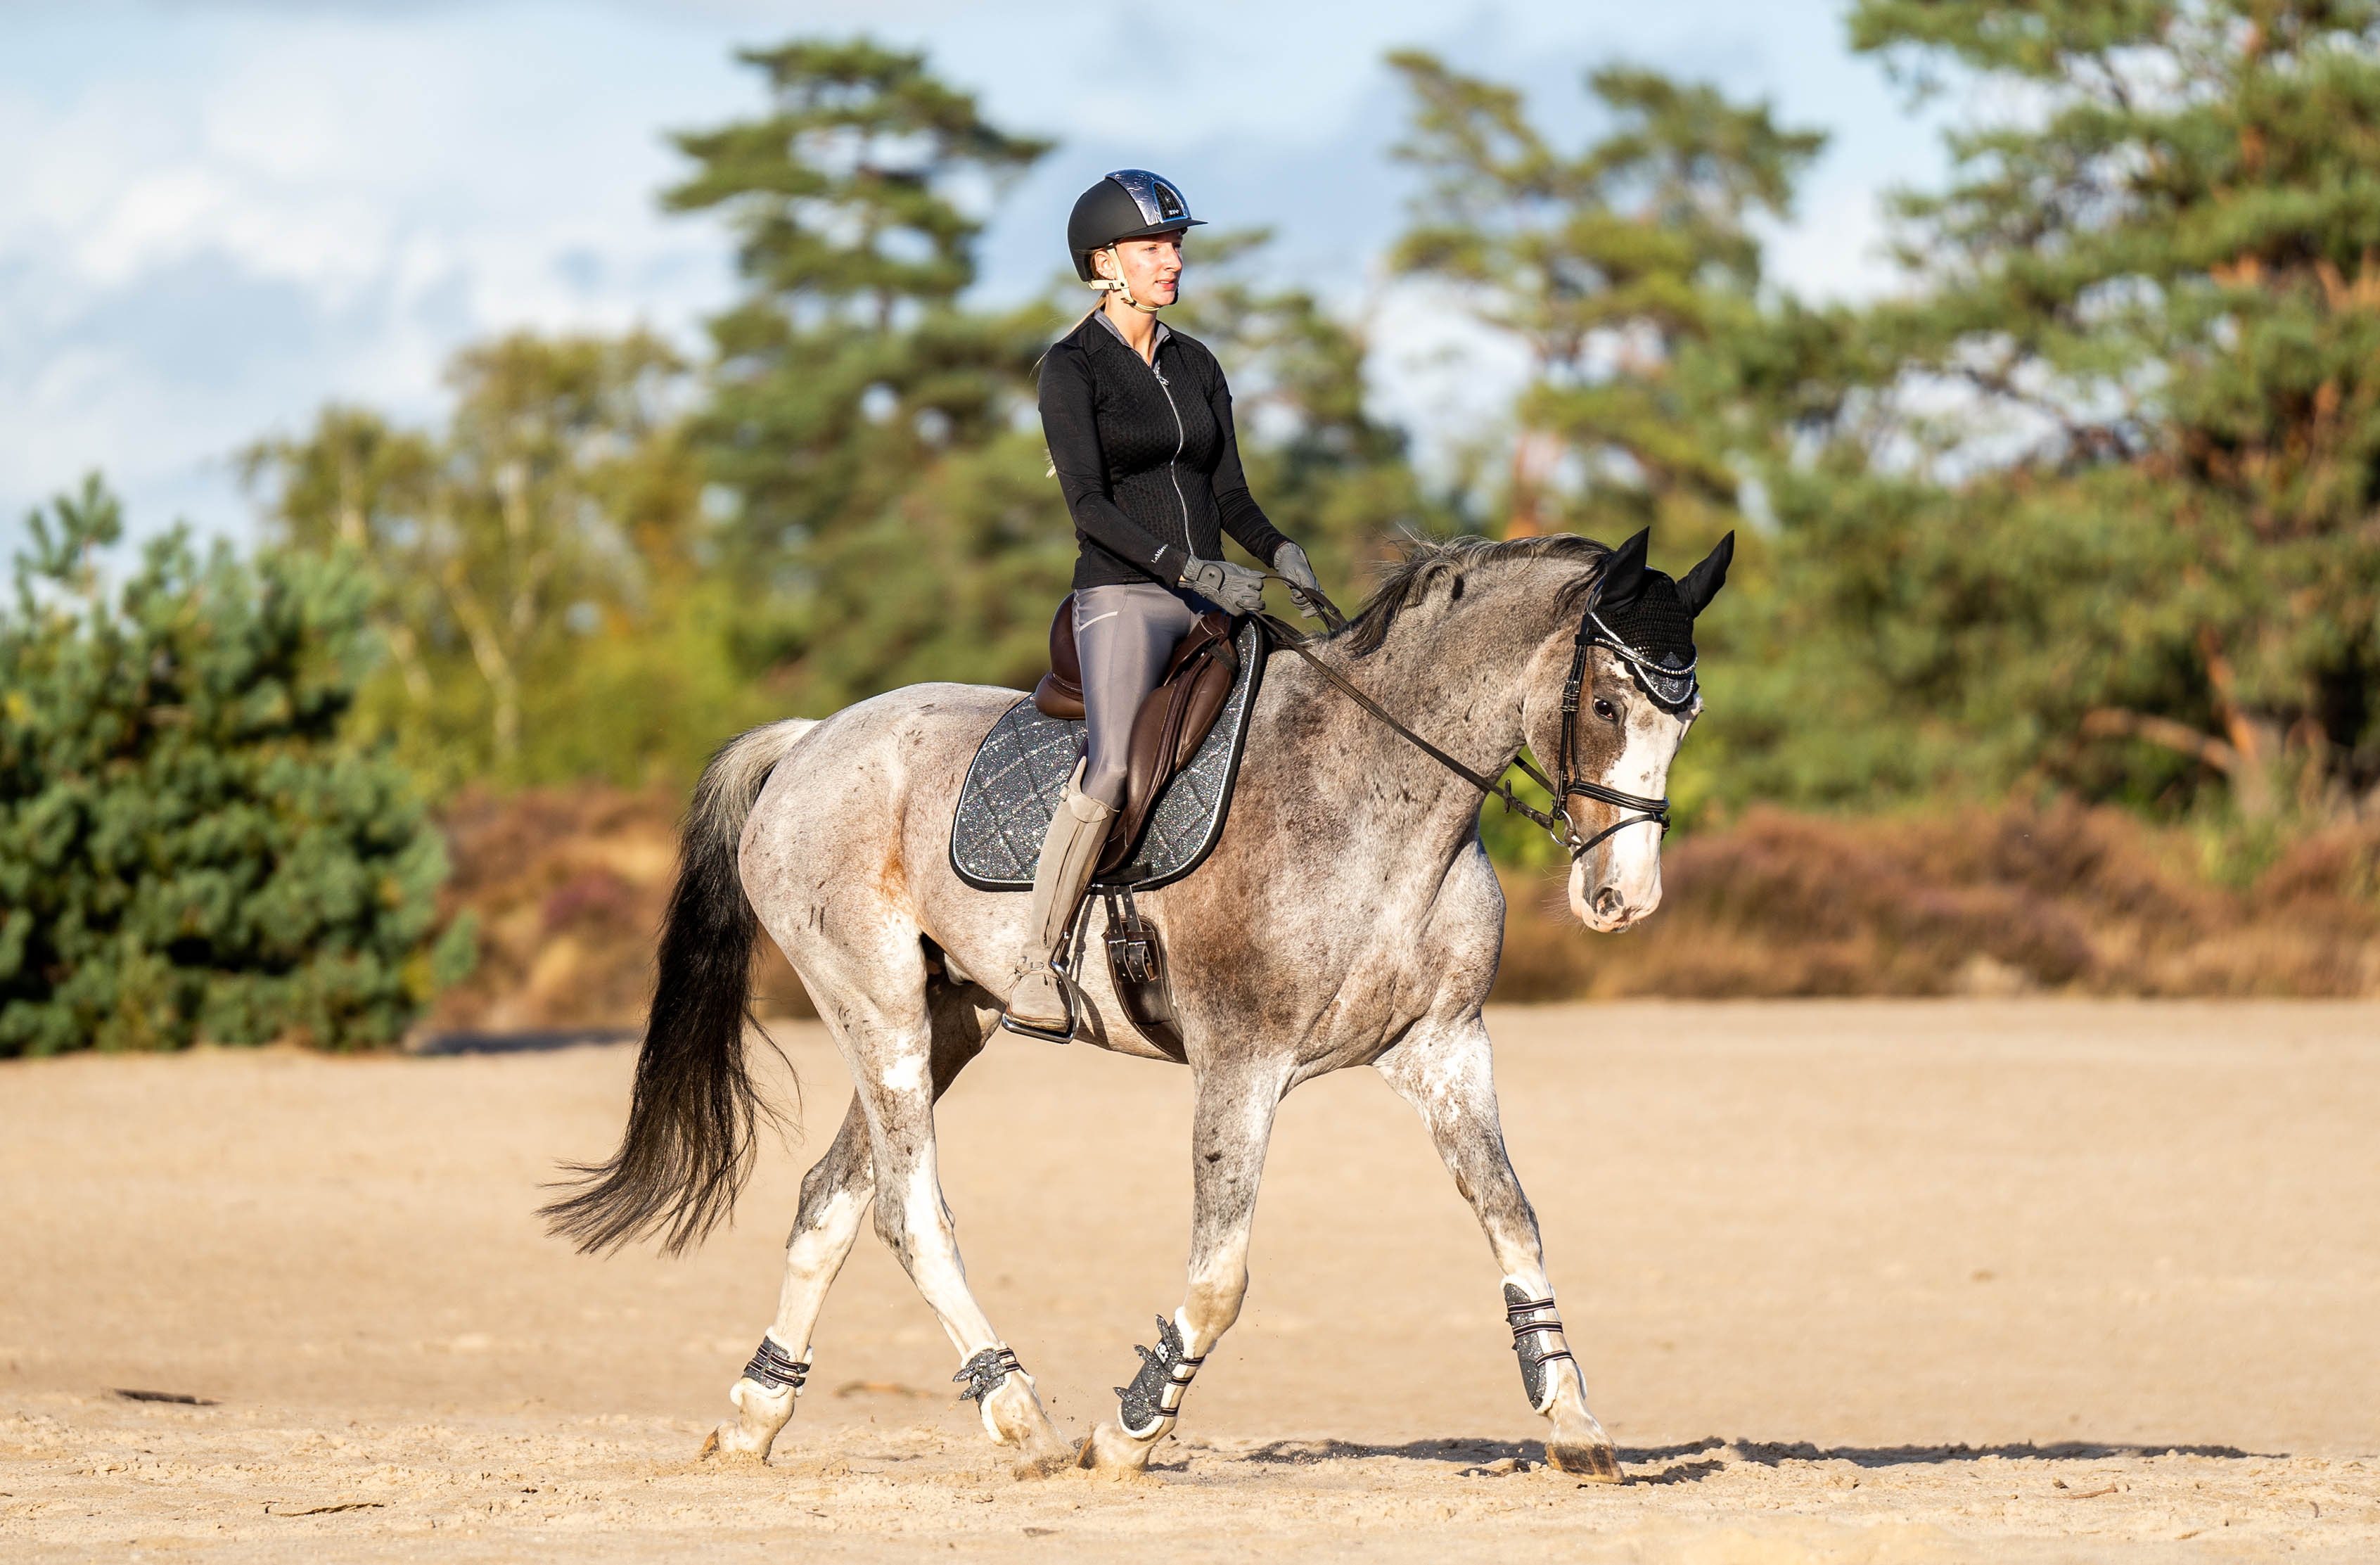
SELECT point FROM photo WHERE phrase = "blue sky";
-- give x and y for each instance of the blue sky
(216, 216)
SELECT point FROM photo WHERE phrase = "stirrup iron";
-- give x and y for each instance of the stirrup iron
(1062, 965)
(1065, 997)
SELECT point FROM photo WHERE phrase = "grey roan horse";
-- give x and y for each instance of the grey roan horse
(1347, 917)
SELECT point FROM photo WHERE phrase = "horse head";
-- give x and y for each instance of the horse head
(1631, 696)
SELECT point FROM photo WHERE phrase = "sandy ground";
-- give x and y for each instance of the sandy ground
(1859, 1281)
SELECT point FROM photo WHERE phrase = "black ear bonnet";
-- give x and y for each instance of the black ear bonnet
(1641, 615)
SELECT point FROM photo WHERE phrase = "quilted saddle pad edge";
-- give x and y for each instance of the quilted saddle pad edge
(1180, 832)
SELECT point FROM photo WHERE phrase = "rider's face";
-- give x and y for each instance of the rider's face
(1151, 267)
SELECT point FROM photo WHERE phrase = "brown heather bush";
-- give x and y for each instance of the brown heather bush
(569, 885)
(2014, 900)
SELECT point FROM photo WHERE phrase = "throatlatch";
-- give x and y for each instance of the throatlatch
(983, 1372)
(1529, 1343)
(1153, 1400)
(775, 1368)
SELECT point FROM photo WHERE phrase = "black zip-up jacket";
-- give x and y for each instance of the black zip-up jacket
(1146, 456)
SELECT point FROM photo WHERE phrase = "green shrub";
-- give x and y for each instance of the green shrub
(186, 851)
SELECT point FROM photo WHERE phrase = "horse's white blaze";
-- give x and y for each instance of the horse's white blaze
(1618, 882)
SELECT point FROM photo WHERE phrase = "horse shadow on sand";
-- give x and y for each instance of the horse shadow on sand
(1697, 1459)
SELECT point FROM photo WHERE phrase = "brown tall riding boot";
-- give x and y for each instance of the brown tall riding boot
(1078, 833)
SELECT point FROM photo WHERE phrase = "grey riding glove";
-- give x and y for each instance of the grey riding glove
(1291, 563)
(1234, 588)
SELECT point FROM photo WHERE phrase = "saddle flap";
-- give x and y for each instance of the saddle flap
(1059, 692)
(1173, 723)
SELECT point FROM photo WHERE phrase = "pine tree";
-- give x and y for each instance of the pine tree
(187, 851)
(2126, 536)
(894, 523)
(1628, 270)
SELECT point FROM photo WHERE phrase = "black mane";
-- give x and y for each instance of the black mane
(1426, 563)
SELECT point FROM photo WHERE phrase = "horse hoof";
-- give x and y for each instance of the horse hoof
(1112, 1453)
(1596, 1465)
(726, 1443)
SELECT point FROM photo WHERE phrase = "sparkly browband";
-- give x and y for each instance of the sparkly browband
(1673, 687)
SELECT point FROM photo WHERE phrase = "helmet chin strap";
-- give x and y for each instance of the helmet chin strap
(1117, 284)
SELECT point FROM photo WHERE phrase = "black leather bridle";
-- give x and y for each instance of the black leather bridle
(1650, 677)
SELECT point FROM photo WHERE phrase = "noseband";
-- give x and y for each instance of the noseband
(1672, 689)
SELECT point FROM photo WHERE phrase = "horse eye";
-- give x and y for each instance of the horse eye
(1603, 709)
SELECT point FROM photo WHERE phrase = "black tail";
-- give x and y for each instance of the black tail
(693, 1122)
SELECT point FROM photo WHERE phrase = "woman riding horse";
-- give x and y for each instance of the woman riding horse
(1138, 419)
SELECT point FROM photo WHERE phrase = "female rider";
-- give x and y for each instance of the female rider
(1139, 425)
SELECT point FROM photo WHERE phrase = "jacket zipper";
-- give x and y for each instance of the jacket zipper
(1181, 438)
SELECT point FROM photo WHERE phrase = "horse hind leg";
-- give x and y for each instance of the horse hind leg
(916, 1223)
(835, 1195)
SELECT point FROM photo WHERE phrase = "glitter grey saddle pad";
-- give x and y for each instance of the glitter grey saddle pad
(1012, 791)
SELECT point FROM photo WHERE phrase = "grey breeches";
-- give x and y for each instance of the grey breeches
(1122, 636)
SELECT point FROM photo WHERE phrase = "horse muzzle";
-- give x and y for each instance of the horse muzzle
(1611, 889)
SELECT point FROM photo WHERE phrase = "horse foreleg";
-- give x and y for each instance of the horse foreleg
(1449, 1076)
(1232, 1126)
(835, 1193)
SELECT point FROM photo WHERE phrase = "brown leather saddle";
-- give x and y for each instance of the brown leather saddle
(1172, 721)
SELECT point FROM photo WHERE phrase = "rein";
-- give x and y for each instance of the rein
(1557, 826)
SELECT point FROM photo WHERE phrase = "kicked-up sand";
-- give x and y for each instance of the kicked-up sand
(2033, 1280)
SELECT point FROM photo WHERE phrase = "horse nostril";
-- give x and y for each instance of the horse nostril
(1607, 903)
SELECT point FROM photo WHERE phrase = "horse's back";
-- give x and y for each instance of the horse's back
(869, 784)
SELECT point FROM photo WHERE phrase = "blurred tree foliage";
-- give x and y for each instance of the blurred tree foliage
(2094, 503)
(187, 849)
(543, 594)
(2088, 505)
(891, 522)
(1629, 271)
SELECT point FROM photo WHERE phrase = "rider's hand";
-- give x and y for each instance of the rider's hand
(1305, 587)
(1234, 588)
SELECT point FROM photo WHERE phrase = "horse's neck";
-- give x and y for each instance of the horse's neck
(1455, 674)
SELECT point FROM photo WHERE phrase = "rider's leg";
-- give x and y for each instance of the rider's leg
(1122, 636)
(1228, 1136)
(835, 1195)
(1446, 1073)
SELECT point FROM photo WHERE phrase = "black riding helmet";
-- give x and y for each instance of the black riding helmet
(1131, 203)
